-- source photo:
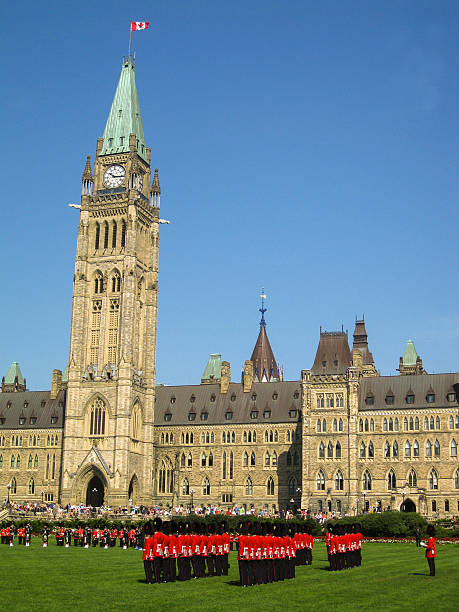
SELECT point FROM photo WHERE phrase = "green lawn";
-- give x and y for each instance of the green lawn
(393, 576)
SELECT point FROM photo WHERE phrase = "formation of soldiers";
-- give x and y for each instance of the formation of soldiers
(344, 547)
(270, 552)
(181, 551)
(92, 537)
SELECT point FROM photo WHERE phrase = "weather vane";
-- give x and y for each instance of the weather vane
(263, 309)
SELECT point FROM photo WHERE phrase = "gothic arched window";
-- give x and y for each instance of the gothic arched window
(114, 228)
(267, 458)
(185, 487)
(321, 451)
(166, 476)
(367, 481)
(292, 486)
(106, 231)
(330, 450)
(289, 458)
(231, 465)
(412, 479)
(206, 486)
(433, 480)
(29, 463)
(415, 449)
(320, 481)
(437, 448)
(35, 462)
(319, 429)
(31, 486)
(123, 233)
(224, 466)
(182, 460)
(245, 462)
(391, 480)
(387, 450)
(274, 460)
(338, 451)
(428, 448)
(340, 425)
(116, 282)
(97, 237)
(453, 448)
(211, 460)
(407, 449)
(270, 486)
(363, 450)
(339, 481)
(371, 450)
(249, 486)
(97, 418)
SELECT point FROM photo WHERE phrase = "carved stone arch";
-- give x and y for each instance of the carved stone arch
(97, 401)
(136, 421)
(109, 371)
(91, 372)
(98, 282)
(115, 277)
(83, 480)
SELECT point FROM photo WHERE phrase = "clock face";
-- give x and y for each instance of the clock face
(114, 176)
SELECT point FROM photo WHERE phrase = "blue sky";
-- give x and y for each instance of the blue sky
(310, 147)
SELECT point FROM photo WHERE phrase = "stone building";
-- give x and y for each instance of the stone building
(341, 437)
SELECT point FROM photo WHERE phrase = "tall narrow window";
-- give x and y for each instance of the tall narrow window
(363, 452)
(338, 451)
(330, 450)
(185, 487)
(391, 480)
(245, 462)
(339, 481)
(270, 486)
(433, 480)
(116, 282)
(252, 458)
(428, 448)
(97, 418)
(367, 481)
(206, 487)
(113, 321)
(407, 449)
(114, 235)
(453, 448)
(292, 487)
(415, 449)
(106, 233)
(371, 450)
(320, 481)
(437, 448)
(53, 473)
(47, 467)
(231, 465)
(249, 486)
(31, 486)
(29, 463)
(224, 466)
(321, 453)
(267, 458)
(35, 462)
(412, 479)
(97, 237)
(123, 233)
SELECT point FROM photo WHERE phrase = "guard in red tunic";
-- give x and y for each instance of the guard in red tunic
(226, 548)
(173, 551)
(431, 553)
(157, 550)
(147, 554)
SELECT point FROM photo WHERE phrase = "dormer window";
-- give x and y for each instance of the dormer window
(324, 364)
(204, 416)
(172, 400)
(233, 397)
(451, 397)
(8, 404)
(167, 416)
(335, 363)
(410, 398)
(292, 413)
(212, 398)
(275, 396)
(33, 420)
(254, 414)
(22, 420)
(110, 142)
(43, 403)
(53, 420)
(191, 416)
(296, 395)
(430, 398)
(26, 403)
(2, 420)
(192, 399)
(228, 415)
(370, 399)
(389, 400)
(267, 414)
(254, 397)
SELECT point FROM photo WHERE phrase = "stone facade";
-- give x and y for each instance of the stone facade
(339, 438)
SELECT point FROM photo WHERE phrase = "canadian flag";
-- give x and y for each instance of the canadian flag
(139, 25)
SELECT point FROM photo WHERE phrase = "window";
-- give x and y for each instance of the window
(206, 487)
(224, 466)
(339, 481)
(106, 232)
(391, 480)
(191, 416)
(330, 450)
(340, 425)
(412, 479)
(451, 397)
(254, 414)
(114, 227)
(233, 397)
(428, 448)
(371, 450)
(430, 398)
(416, 423)
(451, 422)
(167, 416)
(433, 480)
(123, 234)
(361, 425)
(415, 449)
(319, 429)
(426, 423)
(391, 424)
(366, 425)
(321, 453)
(231, 465)
(22, 420)
(211, 460)
(31, 486)
(190, 460)
(166, 476)
(252, 459)
(338, 451)
(270, 486)
(267, 458)
(367, 480)
(453, 448)
(228, 416)
(33, 420)
(212, 398)
(185, 487)
(203, 460)
(321, 481)
(97, 418)
(405, 424)
(274, 460)
(266, 414)
(292, 486)
(35, 462)
(456, 479)
(437, 423)
(324, 425)
(97, 237)
(13, 461)
(395, 449)
(1, 462)
(245, 459)
(363, 452)
(320, 400)
(275, 396)
(335, 425)
(410, 398)
(389, 399)
(249, 486)
(432, 423)
(204, 416)
(29, 463)
(13, 486)
(437, 448)
(396, 424)
(407, 449)
(276, 436)
(411, 424)
(292, 414)
(446, 505)
(387, 450)
(385, 424)
(296, 458)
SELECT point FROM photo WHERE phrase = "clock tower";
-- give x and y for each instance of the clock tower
(108, 436)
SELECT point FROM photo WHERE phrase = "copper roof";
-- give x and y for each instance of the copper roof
(333, 355)
(264, 363)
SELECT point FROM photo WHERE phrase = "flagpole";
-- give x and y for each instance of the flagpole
(130, 35)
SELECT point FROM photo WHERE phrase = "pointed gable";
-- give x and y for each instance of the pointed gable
(333, 355)
(264, 363)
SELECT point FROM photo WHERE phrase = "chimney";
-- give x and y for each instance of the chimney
(226, 377)
(247, 377)
(56, 381)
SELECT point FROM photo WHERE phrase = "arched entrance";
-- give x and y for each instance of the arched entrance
(132, 492)
(408, 506)
(95, 492)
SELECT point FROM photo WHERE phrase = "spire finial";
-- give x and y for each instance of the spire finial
(263, 309)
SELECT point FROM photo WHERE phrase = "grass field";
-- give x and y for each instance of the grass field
(393, 576)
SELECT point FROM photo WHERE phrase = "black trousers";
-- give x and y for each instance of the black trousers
(195, 564)
(225, 565)
(431, 562)
(172, 570)
(211, 565)
(218, 565)
(148, 572)
(157, 568)
(244, 572)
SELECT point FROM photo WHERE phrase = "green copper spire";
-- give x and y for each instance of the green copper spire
(410, 355)
(124, 118)
(213, 371)
(14, 371)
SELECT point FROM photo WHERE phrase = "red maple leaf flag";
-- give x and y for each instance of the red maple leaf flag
(139, 25)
